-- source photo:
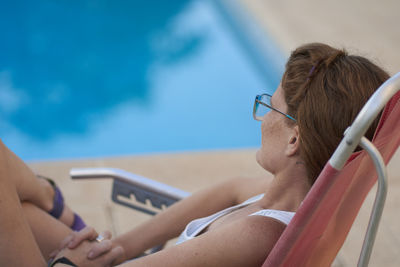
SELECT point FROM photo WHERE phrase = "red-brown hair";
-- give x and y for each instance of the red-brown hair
(324, 89)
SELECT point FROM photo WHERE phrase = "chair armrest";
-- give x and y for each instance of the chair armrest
(126, 184)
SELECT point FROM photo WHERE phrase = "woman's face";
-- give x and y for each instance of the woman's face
(275, 135)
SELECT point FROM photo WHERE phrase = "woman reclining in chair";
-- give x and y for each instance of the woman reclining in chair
(321, 92)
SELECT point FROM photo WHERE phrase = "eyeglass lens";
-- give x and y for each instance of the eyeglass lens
(261, 109)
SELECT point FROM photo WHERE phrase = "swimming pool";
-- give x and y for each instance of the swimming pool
(97, 78)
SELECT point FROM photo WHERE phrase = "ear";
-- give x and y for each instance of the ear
(293, 142)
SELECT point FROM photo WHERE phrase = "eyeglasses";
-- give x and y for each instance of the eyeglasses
(262, 105)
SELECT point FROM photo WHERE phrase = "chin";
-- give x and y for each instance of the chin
(262, 161)
(259, 158)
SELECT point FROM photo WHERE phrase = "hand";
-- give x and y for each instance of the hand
(79, 255)
(87, 234)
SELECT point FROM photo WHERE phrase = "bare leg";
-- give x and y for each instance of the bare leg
(29, 188)
(25, 181)
(48, 231)
(17, 245)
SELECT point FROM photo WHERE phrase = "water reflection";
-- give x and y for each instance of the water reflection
(70, 62)
(98, 78)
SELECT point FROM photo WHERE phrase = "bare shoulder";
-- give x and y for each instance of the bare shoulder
(258, 235)
(245, 242)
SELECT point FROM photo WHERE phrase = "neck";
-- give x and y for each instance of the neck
(288, 188)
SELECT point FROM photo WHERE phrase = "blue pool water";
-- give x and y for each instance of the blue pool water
(103, 78)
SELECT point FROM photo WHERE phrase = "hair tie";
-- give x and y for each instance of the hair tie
(313, 69)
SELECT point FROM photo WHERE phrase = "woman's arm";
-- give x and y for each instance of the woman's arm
(171, 222)
(244, 242)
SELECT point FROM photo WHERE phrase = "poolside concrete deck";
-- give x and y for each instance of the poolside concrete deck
(367, 27)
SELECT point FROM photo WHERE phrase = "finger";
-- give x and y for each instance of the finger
(100, 249)
(87, 233)
(53, 253)
(111, 258)
(106, 234)
(66, 241)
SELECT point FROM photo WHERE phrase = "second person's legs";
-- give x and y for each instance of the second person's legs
(37, 191)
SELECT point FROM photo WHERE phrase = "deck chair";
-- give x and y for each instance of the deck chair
(322, 222)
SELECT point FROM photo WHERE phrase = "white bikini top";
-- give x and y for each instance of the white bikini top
(196, 226)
